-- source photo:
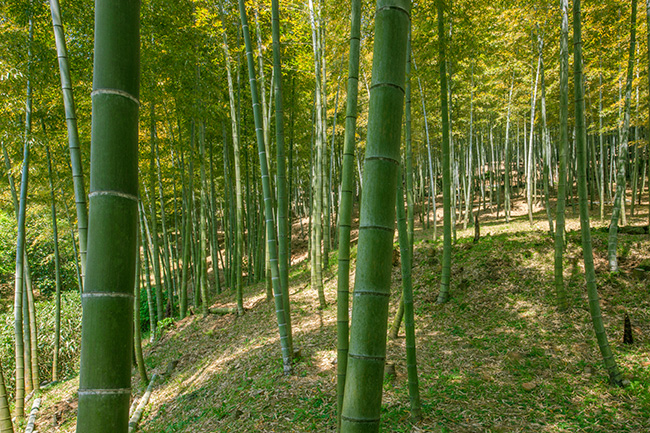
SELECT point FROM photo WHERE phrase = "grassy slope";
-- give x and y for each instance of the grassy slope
(497, 358)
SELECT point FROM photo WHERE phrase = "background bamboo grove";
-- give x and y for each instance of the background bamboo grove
(163, 160)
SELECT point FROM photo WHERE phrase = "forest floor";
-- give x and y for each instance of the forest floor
(498, 357)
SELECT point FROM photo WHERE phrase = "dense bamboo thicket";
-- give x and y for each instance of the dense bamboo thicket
(222, 139)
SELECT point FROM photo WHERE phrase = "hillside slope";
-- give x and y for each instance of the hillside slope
(498, 357)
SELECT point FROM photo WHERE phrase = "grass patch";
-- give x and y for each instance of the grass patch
(498, 357)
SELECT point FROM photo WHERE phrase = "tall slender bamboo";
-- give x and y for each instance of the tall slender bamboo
(283, 227)
(19, 410)
(154, 218)
(345, 206)
(73, 133)
(443, 296)
(325, 186)
(137, 335)
(187, 242)
(410, 215)
(27, 342)
(73, 240)
(214, 239)
(33, 331)
(432, 179)
(562, 146)
(317, 167)
(268, 211)
(637, 148)
(366, 356)
(397, 321)
(647, 9)
(506, 150)
(406, 250)
(166, 256)
(57, 275)
(147, 275)
(546, 144)
(590, 275)
(107, 323)
(239, 205)
(530, 175)
(203, 264)
(467, 178)
(600, 140)
(618, 210)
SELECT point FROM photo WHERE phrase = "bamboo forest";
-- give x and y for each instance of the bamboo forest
(322, 216)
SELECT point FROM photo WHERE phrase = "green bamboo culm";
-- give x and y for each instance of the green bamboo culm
(406, 251)
(107, 323)
(57, 275)
(316, 231)
(6, 425)
(647, 9)
(397, 321)
(268, 211)
(283, 205)
(562, 159)
(409, 148)
(73, 133)
(155, 262)
(203, 263)
(619, 198)
(147, 274)
(443, 296)
(367, 351)
(137, 335)
(239, 213)
(581, 154)
(345, 207)
(19, 407)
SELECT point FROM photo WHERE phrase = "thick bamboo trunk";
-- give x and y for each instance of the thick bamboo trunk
(106, 351)
(366, 356)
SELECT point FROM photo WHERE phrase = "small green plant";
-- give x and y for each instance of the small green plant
(166, 323)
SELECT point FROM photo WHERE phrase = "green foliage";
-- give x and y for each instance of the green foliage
(40, 251)
(70, 338)
(166, 323)
(7, 245)
(144, 310)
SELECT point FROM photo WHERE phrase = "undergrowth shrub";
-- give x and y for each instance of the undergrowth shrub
(70, 342)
